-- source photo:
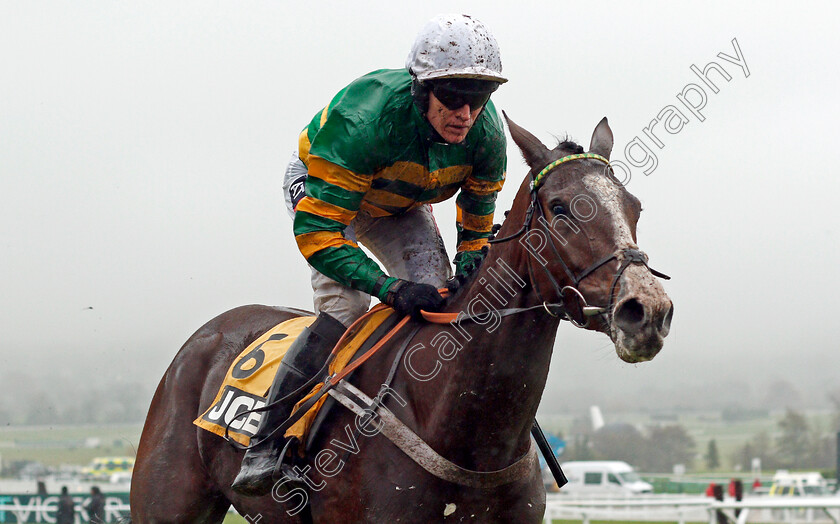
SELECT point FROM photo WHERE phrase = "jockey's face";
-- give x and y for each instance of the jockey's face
(451, 124)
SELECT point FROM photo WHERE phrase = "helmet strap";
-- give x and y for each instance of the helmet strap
(420, 92)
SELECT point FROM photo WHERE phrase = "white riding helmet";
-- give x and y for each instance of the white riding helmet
(455, 46)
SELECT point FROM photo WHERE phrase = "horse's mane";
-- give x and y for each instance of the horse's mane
(567, 144)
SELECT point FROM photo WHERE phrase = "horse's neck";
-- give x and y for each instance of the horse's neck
(486, 395)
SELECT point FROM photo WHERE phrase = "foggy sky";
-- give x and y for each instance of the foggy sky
(142, 147)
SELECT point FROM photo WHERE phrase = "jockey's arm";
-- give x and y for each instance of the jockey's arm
(333, 197)
(476, 205)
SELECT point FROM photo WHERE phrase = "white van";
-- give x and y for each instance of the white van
(798, 484)
(603, 477)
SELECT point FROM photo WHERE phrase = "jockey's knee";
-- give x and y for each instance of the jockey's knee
(345, 306)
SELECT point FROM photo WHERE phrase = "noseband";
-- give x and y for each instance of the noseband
(626, 256)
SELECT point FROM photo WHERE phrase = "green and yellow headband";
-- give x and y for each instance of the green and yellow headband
(538, 180)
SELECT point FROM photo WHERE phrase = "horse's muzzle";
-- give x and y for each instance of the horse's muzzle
(642, 316)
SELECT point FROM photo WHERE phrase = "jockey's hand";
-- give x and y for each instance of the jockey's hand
(467, 262)
(408, 298)
(455, 283)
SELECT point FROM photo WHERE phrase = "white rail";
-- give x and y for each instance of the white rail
(653, 508)
(683, 509)
(662, 508)
(787, 506)
(45, 511)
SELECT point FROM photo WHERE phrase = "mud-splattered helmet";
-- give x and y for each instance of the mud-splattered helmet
(455, 48)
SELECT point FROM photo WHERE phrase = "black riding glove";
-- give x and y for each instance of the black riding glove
(455, 283)
(408, 298)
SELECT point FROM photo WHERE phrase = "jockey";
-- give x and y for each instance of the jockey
(367, 168)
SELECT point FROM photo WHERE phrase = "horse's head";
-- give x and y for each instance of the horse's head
(579, 232)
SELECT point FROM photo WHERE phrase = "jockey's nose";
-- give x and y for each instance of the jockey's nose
(463, 112)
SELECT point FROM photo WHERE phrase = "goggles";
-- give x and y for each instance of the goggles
(457, 92)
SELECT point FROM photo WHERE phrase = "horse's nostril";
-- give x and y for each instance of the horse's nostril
(630, 313)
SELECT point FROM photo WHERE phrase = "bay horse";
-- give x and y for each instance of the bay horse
(469, 389)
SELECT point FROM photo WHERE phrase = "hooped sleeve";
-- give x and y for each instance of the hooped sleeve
(336, 184)
(476, 203)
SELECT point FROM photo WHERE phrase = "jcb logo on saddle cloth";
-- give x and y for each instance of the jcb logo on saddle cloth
(233, 402)
(247, 381)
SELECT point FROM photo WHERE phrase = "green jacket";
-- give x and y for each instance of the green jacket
(372, 150)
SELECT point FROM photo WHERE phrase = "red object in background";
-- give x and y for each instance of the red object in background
(710, 491)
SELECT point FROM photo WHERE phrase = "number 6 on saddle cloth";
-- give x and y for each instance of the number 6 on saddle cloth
(239, 406)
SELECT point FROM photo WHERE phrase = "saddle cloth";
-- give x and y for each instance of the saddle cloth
(249, 378)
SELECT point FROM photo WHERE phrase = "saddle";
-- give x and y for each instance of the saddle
(236, 411)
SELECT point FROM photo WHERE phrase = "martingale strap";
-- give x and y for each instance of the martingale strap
(426, 457)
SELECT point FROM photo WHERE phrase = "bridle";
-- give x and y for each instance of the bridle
(626, 256)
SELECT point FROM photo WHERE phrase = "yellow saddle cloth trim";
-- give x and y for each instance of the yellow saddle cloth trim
(300, 429)
(249, 378)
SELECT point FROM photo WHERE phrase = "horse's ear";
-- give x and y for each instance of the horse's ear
(602, 139)
(534, 151)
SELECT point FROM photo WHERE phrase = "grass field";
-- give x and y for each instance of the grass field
(74, 445)
(558, 521)
(59, 445)
(702, 426)
(236, 519)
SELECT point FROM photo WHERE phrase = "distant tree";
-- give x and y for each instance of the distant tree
(794, 442)
(712, 457)
(133, 400)
(5, 414)
(667, 446)
(782, 393)
(619, 442)
(42, 410)
(764, 449)
(581, 426)
(834, 398)
(579, 448)
(822, 452)
(742, 458)
(760, 446)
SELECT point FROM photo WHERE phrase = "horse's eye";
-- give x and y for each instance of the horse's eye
(558, 209)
